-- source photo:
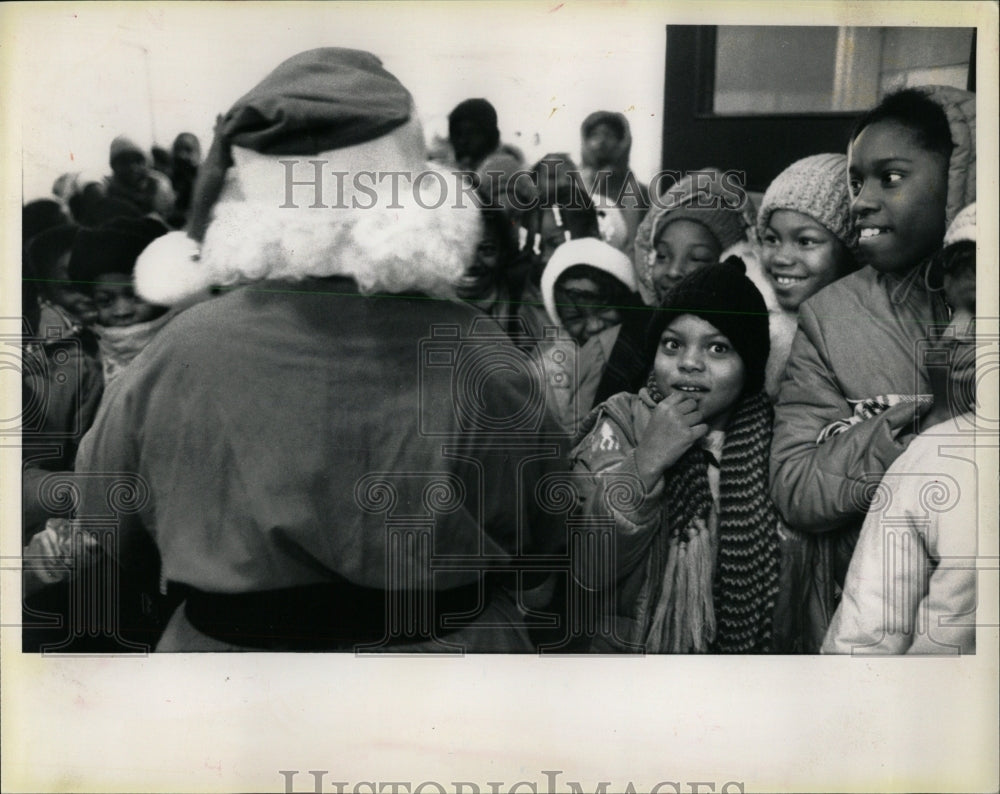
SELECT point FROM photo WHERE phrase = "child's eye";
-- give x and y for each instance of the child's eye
(890, 177)
(854, 185)
(719, 348)
(769, 238)
(671, 345)
(807, 242)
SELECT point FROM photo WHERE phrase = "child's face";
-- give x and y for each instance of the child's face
(801, 256)
(682, 247)
(696, 358)
(583, 309)
(117, 304)
(187, 150)
(470, 143)
(602, 143)
(130, 169)
(68, 296)
(958, 389)
(899, 192)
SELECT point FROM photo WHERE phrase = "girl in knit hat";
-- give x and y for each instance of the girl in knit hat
(678, 470)
(587, 287)
(806, 242)
(854, 387)
(693, 223)
(102, 263)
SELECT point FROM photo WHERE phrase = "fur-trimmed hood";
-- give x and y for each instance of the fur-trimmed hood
(960, 109)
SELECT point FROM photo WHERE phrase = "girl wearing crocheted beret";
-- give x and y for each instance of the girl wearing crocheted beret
(806, 242)
(675, 477)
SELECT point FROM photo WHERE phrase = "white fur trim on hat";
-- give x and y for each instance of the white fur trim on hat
(963, 227)
(583, 251)
(389, 240)
(169, 272)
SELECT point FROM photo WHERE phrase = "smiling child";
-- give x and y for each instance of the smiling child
(853, 387)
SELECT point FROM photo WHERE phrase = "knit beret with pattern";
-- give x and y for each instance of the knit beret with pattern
(815, 186)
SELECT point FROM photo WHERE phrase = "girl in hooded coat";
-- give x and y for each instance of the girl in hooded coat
(587, 288)
(853, 387)
(605, 145)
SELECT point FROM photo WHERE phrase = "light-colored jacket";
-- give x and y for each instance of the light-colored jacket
(911, 587)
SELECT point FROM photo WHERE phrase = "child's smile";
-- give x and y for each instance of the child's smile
(898, 190)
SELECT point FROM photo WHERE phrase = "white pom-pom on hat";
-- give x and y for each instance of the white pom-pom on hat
(168, 271)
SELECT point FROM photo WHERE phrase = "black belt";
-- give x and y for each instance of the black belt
(324, 617)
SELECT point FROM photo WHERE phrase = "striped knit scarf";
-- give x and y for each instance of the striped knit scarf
(745, 581)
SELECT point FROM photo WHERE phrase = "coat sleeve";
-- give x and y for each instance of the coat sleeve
(612, 497)
(108, 472)
(885, 583)
(818, 487)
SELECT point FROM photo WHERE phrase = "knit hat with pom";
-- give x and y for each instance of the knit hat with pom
(815, 186)
(722, 295)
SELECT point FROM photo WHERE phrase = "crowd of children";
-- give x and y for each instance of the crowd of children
(565, 418)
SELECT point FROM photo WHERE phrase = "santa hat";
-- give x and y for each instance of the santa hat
(293, 188)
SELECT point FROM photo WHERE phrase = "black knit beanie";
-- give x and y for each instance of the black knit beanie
(111, 248)
(722, 295)
(479, 111)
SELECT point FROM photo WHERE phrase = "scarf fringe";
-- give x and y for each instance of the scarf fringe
(726, 604)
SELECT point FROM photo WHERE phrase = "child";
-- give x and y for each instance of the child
(587, 287)
(806, 240)
(62, 377)
(63, 304)
(853, 387)
(605, 144)
(691, 226)
(563, 212)
(694, 565)
(133, 183)
(102, 262)
(560, 212)
(911, 586)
